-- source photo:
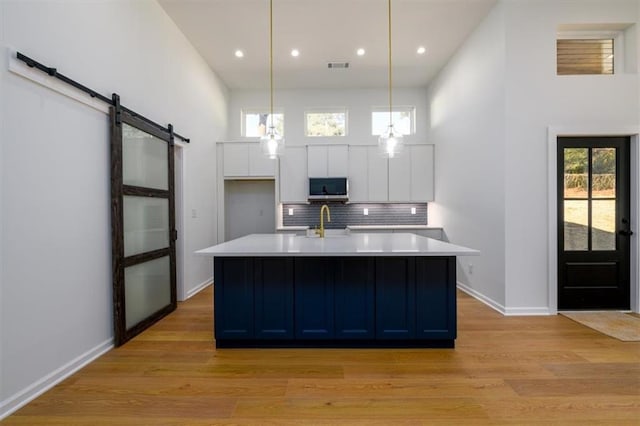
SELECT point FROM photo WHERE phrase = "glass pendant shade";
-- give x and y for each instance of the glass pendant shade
(272, 143)
(390, 143)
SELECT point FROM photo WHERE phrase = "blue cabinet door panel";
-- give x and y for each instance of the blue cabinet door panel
(314, 298)
(233, 298)
(435, 298)
(354, 300)
(273, 287)
(395, 298)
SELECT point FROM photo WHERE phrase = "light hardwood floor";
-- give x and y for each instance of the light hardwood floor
(504, 370)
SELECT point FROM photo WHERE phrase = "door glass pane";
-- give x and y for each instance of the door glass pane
(146, 224)
(576, 225)
(576, 161)
(603, 225)
(603, 179)
(144, 159)
(147, 289)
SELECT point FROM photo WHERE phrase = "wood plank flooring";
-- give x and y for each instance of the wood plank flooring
(504, 370)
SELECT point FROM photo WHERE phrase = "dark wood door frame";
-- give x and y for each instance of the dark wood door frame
(118, 191)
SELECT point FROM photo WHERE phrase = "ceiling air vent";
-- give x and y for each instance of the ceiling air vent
(338, 65)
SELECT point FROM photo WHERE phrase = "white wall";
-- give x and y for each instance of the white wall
(467, 127)
(491, 108)
(358, 102)
(55, 309)
(537, 98)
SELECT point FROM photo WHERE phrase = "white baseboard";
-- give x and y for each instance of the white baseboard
(197, 289)
(23, 397)
(528, 311)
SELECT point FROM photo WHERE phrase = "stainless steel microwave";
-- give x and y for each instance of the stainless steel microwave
(331, 188)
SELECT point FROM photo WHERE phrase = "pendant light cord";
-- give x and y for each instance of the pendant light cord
(390, 79)
(271, 59)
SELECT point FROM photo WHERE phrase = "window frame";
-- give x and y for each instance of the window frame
(245, 111)
(396, 108)
(326, 110)
(618, 47)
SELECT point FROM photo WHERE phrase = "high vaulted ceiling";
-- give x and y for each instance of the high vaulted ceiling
(326, 31)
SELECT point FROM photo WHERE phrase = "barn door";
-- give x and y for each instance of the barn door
(143, 224)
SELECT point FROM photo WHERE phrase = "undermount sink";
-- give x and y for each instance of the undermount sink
(328, 233)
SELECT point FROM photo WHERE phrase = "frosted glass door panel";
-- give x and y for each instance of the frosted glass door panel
(144, 159)
(147, 289)
(146, 224)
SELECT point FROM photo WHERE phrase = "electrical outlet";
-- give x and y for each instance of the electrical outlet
(413, 210)
(365, 212)
(290, 212)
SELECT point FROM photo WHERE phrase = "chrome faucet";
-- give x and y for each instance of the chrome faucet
(320, 231)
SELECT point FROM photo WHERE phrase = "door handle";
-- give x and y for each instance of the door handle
(626, 232)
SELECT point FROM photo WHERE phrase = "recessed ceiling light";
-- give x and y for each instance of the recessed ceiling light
(421, 50)
(239, 53)
(360, 52)
(295, 53)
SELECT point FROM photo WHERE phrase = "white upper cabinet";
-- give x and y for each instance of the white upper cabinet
(400, 177)
(407, 178)
(328, 160)
(245, 159)
(293, 179)
(358, 174)
(422, 173)
(378, 171)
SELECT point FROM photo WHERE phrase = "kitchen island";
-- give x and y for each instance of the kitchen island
(351, 290)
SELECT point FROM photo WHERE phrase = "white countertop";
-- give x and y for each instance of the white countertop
(365, 244)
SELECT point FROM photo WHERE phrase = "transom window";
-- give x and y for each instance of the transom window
(256, 122)
(403, 119)
(326, 122)
(585, 56)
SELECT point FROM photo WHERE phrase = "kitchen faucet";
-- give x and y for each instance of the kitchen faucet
(320, 231)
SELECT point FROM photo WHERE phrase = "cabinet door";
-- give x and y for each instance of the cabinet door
(317, 161)
(273, 305)
(233, 298)
(293, 179)
(236, 159)
(436, 298)
(395, 298)
(400, 177)
(260, 164)
(354, 297)
(314, 298)
(358, 179)
(377, 176)
(338, 161)
(422, 172)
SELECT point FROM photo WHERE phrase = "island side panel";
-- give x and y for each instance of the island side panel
(395, 298)
(354, 301)
(436, 297)
(233, 298)
(273, 297)
(314, 298)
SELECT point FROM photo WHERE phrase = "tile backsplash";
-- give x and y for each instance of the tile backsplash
(343, 214)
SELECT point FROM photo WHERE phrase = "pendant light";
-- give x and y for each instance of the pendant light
(390, 142)
(272, 143)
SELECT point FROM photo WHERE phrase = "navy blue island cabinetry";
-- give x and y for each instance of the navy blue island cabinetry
(335, 301)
